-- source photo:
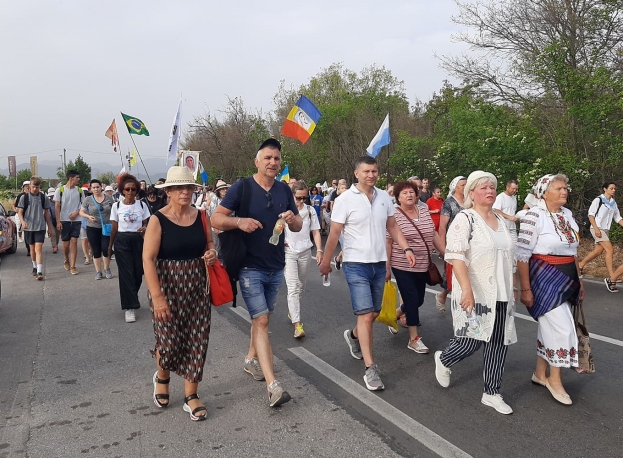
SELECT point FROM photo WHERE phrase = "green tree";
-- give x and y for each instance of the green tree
(23, 175)
(80, 165)
(107, 177)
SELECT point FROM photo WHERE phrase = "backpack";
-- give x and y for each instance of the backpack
(587, 222)
(62, 188)
(27, 201)
(139, 200)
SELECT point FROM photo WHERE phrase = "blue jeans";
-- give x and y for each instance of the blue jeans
(259, 290)
(366, 282)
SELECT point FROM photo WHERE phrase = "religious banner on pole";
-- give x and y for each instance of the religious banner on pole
(190, 160)
(34, 168)
(12, 167)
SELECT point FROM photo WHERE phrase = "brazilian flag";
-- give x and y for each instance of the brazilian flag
(135, 126)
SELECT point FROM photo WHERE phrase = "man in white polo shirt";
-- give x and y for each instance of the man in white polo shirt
(364, 213)
(506, 205)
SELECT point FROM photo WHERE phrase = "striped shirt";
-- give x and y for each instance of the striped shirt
(427, 227)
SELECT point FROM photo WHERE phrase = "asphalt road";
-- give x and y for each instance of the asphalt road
(75, 381)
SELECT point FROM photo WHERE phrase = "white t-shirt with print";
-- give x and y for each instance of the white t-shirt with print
(129, 217)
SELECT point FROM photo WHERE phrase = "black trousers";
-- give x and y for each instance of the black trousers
(128, 249)
(98, 242)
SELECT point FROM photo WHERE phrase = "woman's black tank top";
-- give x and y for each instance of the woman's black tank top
(179, 242)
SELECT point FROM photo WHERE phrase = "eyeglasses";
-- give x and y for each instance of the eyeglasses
(270, 205)
(129, 189)
(187, 187)
(301, 197)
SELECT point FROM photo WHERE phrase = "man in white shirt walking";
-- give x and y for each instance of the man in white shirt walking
(506, 205)
(364, 213)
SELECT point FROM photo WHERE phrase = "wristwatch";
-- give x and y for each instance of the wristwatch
(408, 249)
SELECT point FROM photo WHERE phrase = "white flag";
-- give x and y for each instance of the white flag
(380, 139)
(175, 135)
(122, 171)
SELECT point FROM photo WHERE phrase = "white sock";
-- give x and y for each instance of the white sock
(34, 263)
(39, 267)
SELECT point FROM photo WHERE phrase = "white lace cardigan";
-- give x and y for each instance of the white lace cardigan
(470, 241)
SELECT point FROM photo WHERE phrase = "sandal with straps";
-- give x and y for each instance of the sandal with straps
(194, 411)
(163, 396)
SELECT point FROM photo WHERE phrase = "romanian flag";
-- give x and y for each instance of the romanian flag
(135, 126)
(302, 120)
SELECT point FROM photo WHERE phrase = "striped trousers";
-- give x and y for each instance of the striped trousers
(494, 353)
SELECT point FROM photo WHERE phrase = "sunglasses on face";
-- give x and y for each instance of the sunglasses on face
(129, 189)
(300, 197)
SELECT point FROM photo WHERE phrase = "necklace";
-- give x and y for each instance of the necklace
(563, 227)
(177, 220)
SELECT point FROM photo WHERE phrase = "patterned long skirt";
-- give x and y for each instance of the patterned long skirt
(183, 341)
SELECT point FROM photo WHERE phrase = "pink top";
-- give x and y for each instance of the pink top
(426, 226)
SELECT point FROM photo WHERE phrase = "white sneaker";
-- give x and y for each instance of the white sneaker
(497, 402)
(130, 316)
(442, 373)
(417, 346)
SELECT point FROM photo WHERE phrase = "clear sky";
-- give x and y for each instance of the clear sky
(69, 67)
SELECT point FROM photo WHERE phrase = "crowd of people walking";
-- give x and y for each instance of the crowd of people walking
(172, 235)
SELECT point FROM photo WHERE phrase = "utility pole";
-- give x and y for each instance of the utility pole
(62, 164)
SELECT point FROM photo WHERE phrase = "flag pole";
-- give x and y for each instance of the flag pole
(139, 156)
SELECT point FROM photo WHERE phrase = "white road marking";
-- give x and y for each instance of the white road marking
(592, 335)
(398, 418)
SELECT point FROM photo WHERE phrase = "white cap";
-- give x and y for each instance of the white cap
(108, 188)
(51, 191)
(25, 183)
(318, 185)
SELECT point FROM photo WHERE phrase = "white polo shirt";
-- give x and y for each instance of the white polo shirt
(365, 224)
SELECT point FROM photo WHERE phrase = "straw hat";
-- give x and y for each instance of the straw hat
(220, 184)
(178, 176)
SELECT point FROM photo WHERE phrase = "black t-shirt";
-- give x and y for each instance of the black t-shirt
(264, 207)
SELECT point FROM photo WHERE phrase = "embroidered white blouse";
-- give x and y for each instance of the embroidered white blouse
(538, 235)
(470, 240)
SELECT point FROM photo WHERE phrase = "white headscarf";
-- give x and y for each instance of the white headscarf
(471, 183)
(453, 184)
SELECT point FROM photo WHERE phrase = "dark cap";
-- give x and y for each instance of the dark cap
(270, 142)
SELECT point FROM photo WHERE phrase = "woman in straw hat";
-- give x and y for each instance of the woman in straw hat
(175, 257)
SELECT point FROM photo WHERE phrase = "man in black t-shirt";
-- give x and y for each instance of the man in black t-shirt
(262, 273)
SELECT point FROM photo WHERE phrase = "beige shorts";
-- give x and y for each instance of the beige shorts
(604, 235)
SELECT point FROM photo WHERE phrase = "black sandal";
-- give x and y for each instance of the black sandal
(164, 396)
(193, 412)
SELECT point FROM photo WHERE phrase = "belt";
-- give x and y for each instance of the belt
(554, 259)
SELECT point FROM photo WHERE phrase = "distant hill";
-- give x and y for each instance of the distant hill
(156, 168)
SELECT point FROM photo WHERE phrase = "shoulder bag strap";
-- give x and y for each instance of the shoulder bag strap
(419, 232)
(98, 210)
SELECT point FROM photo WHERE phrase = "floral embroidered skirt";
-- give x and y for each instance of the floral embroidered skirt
(557, 340)
(183, 341)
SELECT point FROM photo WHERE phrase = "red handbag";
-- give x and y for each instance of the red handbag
(219, 286)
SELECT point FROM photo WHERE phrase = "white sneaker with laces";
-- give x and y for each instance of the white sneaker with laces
(130, 316)
(442, 373)
(497, 402)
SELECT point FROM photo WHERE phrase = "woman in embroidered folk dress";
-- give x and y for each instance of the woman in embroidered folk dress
(298, 247)
(549, 280)
(411, 281)
(174, 257)
(480, 248)
(449, 209)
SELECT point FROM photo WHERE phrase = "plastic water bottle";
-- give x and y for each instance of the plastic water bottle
(326, 281)
(472, 323)
(277, 231)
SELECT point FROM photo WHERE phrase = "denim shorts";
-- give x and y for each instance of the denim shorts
(366, 282)
(259, 290)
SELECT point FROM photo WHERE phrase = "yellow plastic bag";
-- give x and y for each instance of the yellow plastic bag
(388, 307)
